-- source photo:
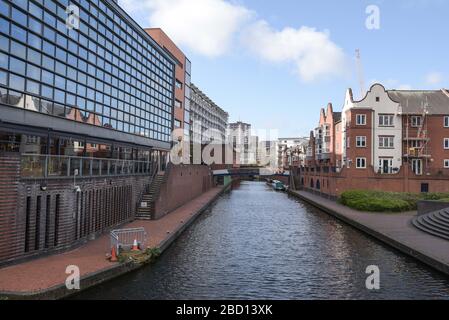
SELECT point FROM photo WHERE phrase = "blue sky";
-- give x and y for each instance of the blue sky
(262, 62)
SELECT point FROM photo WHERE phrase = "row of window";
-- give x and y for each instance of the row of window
(361, 163)
(105, 68)
(387, 120)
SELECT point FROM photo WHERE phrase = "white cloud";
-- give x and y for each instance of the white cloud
(209, 27)
(434, 78)
(315, 56)
(204, 26)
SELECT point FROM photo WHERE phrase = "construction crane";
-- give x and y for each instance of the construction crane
(360, 74)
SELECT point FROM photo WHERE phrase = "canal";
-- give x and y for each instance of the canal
(255, 243)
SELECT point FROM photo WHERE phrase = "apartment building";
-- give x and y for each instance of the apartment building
(291, 152)
(239, 135)
(395, 140)
(209, 121)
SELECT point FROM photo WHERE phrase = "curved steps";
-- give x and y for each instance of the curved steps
(435, 223)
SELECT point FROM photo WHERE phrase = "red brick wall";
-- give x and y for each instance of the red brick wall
(9, 224)
(184, 183)
(40, 216)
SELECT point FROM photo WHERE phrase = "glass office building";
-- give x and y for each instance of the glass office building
(105, 72)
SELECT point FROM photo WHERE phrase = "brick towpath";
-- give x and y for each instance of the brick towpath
(49, 272)
(393, 229)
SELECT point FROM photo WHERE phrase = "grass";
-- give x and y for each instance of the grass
(380, 201)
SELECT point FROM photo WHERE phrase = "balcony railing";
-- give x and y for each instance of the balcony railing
(49, 166)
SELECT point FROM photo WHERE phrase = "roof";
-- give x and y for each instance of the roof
(337, 116)
(414, 101)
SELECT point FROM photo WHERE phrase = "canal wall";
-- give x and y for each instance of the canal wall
(183, 184)
(395, 230)
(33, 274)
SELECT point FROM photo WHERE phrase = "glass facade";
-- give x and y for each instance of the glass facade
(105, 73)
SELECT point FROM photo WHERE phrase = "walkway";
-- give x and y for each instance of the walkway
(49, 272)
(394, 229)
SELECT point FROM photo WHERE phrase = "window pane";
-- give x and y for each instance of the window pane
(3, 77)
(16, 82)
(34, 41)
(33, 87)
(3, 61)
(19, 17)
(34, 56)
(4, 8)
(18, 49)
(17, 66)
(4, 26)
(18, 33)
(34, 72)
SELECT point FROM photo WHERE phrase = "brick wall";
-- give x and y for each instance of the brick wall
(184, 183)
(335, 184)
(45, 216)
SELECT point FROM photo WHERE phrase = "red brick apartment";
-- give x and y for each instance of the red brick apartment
(391, 140)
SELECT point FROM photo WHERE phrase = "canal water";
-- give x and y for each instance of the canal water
(255, 243)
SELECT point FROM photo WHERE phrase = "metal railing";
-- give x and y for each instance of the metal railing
(50, 166)
(123, 239)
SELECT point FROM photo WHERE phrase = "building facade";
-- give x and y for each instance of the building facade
(209, 121)
(391, 140)
(291, 152)
(239, 135)
(86, 115)
(182, 117)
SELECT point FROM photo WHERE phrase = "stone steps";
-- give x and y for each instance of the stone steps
(435, 223)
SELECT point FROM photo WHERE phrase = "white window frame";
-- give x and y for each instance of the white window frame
(415, 167)
(361, 141)
(388, 145)
(446, 144)
(386, 120)
(446, 121)
(414, 123)
(446, 163)
(359, 118)
(358, 162)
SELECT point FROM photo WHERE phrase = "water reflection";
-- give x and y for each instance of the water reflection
(259, 244)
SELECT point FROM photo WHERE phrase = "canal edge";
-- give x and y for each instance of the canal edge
(101, 276)
(405, 249)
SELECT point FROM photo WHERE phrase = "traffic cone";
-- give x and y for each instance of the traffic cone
(135, 246)
(114, 255)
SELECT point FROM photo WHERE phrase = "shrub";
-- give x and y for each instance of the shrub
(380, 201)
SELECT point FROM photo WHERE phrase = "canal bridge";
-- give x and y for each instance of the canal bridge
(249, 172)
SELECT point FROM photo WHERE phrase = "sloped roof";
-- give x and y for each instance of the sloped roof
(337, 116)
(413, 101)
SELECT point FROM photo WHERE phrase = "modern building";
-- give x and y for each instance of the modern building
(209, 121)
(182, 116)
(392, 140)
(86, 115)
(239, 135)
(291, 152)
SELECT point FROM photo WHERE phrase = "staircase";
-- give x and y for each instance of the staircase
(150, 198)
(435, 223)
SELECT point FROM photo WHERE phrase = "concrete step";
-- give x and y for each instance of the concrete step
(435, 224)
(430, 225)
(439, 219)
(428, 230)
(444, 214)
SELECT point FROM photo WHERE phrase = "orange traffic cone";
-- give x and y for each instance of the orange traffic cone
(135, 246)
(114, 255)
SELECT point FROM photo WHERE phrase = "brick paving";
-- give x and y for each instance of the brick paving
(394, 228)
(49, 272)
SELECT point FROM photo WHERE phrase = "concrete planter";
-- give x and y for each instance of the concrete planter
(428, 206)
